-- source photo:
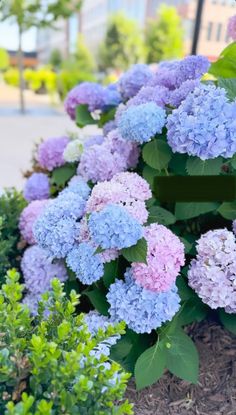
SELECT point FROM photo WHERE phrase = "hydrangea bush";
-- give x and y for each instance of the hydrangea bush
(57, 362)
(156, 264)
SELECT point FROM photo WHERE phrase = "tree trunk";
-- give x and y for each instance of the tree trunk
(21, 67)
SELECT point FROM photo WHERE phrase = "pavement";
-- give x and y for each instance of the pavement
(19, 133)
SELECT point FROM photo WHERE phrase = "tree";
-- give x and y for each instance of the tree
(55, 59)
(83, 57)
(4, 59)
(123, 44)
(34, 13)
(164, 36)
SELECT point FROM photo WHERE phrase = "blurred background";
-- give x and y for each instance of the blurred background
(49, 46)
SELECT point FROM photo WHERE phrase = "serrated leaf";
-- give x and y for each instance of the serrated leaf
(110, 273)
(83, 116)
(157, 154)
(160, 215)
(228, 210)
(98, 300)
(229, 84)
(228, 321)
(61, 175)
(225, 66)
(150, 366)
(191, 210)
(197, 167)
(182, 358)
(136, 253)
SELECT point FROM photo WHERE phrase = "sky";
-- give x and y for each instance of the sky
(9, 37)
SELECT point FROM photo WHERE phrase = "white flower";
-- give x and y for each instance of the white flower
(73, 151)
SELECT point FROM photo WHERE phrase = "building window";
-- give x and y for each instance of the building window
(218, 32)
(209, 30)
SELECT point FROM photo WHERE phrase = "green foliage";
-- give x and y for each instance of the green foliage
(136, 253)
(123, 44)
(228, 321)
(48, 365)
(83, 116)
(11, 205)
(11, 77)
(228, 210)
(157, 154)
(83, 58)
(61, 175)
(191, 210)
(55, 59)
(198, 167)
(225, 66)
(157, 214)
(164, 35)
(4, 59)
(229, 85)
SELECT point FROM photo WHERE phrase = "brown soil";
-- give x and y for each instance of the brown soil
(215, 393)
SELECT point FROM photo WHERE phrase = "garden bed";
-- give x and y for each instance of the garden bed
(215, 393)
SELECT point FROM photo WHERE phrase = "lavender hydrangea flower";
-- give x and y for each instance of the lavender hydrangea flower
(109, 126)
(114, 227)
(88, 93)
(28, 217)
(37, 187)
(94, 139)
(85, 263)
(179, 94)
(234, 227)
(213, 273)
(78, 186)
(141, 309)
(133, 80)
(38, 270)
(50, 152)
(204, 124)
(158, 94)
(32, 302)
(231, 29)
(140, 123)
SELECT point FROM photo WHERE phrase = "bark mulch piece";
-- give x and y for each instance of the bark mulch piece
(215, 393)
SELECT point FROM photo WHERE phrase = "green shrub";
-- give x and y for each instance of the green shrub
(48, 365)
(67, 79)
(11, 205)
(11, 77)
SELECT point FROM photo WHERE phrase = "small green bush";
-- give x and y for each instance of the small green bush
(11, 77)
(48, 365)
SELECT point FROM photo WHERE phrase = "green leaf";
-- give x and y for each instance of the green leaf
(83, 116)
(136, 253)
(98, 300)
(197, 167)
(110, 273)
(157, 154)
(160, 215)
(228, 321)
(149, 174)
(178, 164)
(150, 366)
(106, 117)
(233, 161)
(182, 357)
(229, 84)
(228, 210)
(61, 175)
(225, 66)
(184, 291)
(184, 210)
(187, 245)
(193, 310)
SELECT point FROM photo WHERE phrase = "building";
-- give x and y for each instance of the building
(30, 59)
(94, 16)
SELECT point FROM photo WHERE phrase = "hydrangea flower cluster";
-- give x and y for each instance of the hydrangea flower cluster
(140, 123)
(231, 29)
(38, 270)
(113, 227)
(50, 152)
(78, 186)
(213, 273)
(125, 189)
(73, 151)
(28, 217)
(133, 80)
(204, 124)
(234, 226)
(37, 187)
(165, 256)
(101, 162)
(158, 94)
(85, 263)
(141, 309)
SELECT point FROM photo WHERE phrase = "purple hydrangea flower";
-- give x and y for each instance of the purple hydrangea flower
(213, 273)
(142, 122)
(37, 187)
(133, 80)
(158, 94)
(50, 152)
(204, 124)
(28, 217)
(114, 227)
(94, 139)
(88, 93)
(112, 96)
(141, 309)
(234, 226)
(231, 29)
(85, 263)
(38, 270)
(109, 126)
(179, 94)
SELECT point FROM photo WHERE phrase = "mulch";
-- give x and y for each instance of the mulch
(215, 393)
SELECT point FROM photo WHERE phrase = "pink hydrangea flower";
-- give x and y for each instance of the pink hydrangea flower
(50, 152)
(28, 217)
(165, 256)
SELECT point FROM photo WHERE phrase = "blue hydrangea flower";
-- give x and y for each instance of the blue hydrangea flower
(87, 265)
(71, 204)
(140, 123)
(179, 94)
(114, 227)
(192, 67)
(78, 186)
(141, 309)
(133, 80)
(112, 96)
(204, 125)
(37, 187)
